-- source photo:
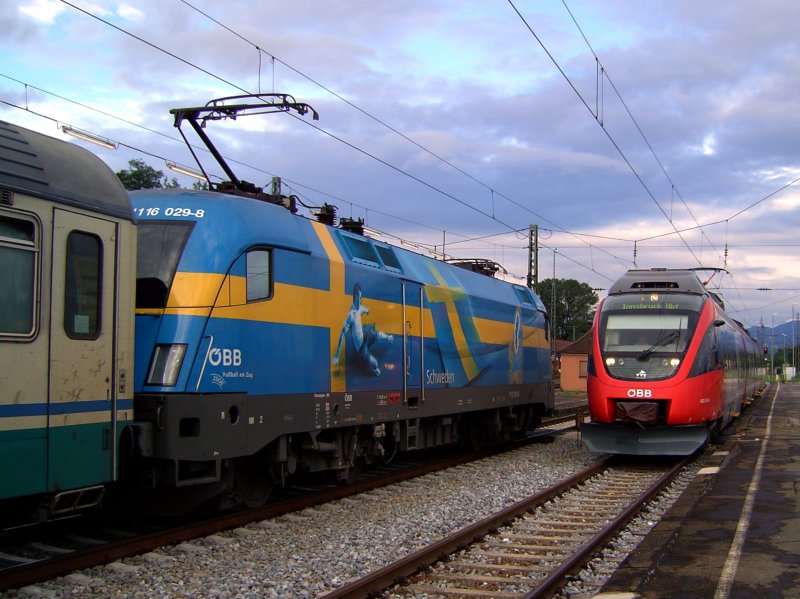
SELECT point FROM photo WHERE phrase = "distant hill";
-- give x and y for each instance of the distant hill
(765, 335)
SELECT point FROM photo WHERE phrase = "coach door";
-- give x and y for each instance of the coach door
(413, 336)
(82, 351)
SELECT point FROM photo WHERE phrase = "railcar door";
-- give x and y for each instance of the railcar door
(83, 339)
(413, 343)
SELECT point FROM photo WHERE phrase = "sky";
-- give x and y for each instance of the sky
(659, 133)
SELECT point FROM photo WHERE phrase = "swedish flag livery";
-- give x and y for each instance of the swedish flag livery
(267, 342)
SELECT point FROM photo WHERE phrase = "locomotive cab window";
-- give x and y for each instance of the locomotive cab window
(82, 286)
(158, 251)
(259, 281)
(19, 255)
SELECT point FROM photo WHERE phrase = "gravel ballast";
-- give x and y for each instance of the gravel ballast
(307, 553)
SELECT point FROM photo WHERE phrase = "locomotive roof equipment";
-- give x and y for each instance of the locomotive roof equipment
(231, 107)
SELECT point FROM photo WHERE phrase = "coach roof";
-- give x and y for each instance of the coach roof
(49, 168)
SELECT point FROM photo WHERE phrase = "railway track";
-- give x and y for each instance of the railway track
(528, 549)
(36, 554)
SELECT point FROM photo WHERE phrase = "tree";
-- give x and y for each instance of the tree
(140, 176)
(574, 306)
(144, 176)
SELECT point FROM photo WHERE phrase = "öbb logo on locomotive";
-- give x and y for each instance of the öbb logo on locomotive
(225, 356)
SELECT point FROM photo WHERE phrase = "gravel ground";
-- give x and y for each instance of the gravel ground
(308, 553)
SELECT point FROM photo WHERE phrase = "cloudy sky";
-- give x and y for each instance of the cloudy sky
(650, 134)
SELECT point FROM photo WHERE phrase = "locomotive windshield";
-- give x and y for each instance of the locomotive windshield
(159, 248)
(645, 337)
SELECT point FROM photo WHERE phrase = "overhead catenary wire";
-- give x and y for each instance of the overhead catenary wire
(602, 127)
(394, 130)
(235, 86)
(599, 248)
(602, 75)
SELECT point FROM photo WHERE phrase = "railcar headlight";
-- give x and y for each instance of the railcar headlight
(166, 365)
(610, 361)
(674, 362)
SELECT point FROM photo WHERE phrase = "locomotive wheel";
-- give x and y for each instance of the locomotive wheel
(475, 436)
(349, 475)
(715, 435)
(252, 482)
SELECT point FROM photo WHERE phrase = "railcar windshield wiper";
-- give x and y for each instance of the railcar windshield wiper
(668, 338)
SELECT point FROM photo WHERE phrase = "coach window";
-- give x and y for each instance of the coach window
(259, 281)
(82, 287)
(18, 260)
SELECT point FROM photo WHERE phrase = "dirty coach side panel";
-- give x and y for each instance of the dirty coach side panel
(67, 241)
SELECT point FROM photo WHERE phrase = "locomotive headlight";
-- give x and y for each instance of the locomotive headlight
(610, 361)
(674, 362)
(166, 365)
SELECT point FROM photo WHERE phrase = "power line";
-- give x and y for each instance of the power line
(353, 146)
(599, 121)
(390, 128)
(604, 73)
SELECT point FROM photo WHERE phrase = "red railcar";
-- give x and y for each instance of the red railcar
(667, 366)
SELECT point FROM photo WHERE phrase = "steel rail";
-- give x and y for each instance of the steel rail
(585, 552)
(395, 572)
(45, 569)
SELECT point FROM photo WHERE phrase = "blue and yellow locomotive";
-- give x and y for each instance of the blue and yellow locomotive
(268, 342)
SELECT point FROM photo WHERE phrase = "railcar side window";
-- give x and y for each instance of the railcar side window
(18, 265)
(259, 283)
(82, 287)
(707, 356)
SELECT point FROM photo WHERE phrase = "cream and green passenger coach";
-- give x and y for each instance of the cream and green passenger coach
(67, 260)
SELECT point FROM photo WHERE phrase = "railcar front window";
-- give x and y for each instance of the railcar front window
(643, 332)
(645, 345)
(159, 248)
(18, 257)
